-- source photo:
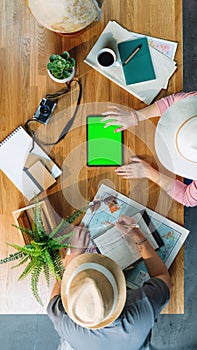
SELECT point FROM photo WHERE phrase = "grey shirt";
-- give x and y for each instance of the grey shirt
(130, 331)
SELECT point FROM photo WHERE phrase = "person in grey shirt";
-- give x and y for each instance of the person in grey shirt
(92, 309)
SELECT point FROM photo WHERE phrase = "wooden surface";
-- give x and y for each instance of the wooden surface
(25, 48)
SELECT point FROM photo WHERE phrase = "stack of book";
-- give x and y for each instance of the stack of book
(149, 70)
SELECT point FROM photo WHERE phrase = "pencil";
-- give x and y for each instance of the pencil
(126, 226)
(132, 54)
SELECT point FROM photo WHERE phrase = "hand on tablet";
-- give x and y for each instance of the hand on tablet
(138, 168)
(121, 117)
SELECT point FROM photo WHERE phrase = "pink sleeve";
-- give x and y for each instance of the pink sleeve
(165, 102)
(185, 194)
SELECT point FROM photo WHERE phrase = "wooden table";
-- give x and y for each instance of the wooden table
(79, 183)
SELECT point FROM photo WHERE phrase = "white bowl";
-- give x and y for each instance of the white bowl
(62, 81)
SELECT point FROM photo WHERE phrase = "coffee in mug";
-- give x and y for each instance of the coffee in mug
(106, 58)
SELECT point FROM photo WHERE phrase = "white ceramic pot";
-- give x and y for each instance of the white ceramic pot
(62, 81)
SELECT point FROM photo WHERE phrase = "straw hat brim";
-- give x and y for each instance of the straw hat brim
(166, 136)
(108, 264)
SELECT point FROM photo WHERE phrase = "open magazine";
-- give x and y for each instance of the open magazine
(109, 206)
(114, 244)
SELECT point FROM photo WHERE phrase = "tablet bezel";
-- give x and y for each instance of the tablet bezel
(121, 144)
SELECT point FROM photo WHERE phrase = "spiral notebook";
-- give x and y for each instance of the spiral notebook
(19, 155)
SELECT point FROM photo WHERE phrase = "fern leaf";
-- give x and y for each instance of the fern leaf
(49, 262)
(58, 264)
(26, 250)
(21, 262)
(65, 237)
(12, 257)
(34, 281)
(38, 245)
(26, 230)
(47, 274)
(70, 219)
(38, 227)
(62, 222)
(28, 269)
(53, 244)
(16, 246)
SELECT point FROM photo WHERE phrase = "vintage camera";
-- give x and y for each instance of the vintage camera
(44, 110)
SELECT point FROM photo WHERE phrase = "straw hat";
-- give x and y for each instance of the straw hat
(176, 138)
(93, 290)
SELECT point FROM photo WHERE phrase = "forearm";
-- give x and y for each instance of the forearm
(78, 244)
(164, 181)
(57, 286)
(185, 194)
(148, 112)
(56, 289)
(154, 264)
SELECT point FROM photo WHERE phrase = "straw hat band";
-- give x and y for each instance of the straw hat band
(186, 139)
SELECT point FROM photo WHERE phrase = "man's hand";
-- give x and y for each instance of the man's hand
(127, 226)
(79, 243)
(80, 240)
(154, 264)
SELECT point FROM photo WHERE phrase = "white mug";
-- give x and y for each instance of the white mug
(106, 58)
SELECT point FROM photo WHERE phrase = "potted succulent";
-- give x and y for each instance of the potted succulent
(61, 68)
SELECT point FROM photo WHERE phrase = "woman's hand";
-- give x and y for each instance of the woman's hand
(138, 168)
(80, 240)
(118, 116)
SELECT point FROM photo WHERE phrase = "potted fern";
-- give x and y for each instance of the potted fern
(61, 68)
(43, 251)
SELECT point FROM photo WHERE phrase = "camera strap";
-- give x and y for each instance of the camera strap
(69, 123)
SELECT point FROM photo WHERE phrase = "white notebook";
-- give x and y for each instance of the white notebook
(17, 155)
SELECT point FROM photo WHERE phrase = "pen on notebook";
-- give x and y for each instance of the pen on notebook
(132, 54)
(125, 226)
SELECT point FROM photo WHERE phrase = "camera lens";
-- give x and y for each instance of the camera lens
(44, 110)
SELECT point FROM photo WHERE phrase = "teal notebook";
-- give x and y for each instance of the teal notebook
(140, 67)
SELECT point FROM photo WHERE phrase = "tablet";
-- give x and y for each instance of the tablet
(104, 146)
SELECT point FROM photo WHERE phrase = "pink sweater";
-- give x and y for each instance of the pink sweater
(185, 194)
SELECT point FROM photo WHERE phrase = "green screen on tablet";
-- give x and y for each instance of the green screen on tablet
(104, 147)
